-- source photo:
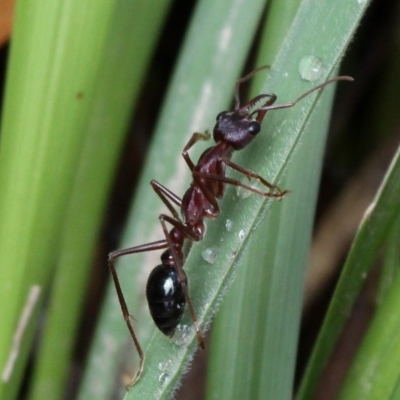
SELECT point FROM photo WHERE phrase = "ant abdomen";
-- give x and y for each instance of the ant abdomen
(166, 298)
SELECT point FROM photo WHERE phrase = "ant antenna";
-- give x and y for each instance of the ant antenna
(293, 103)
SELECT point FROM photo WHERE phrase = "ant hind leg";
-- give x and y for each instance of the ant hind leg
(160, 244)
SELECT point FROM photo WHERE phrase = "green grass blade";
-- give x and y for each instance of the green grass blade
(211, 60)
(118, 84)
(237, 367)
(396, 392)
(279, 17)
(54, 61)
(390, 265)
(262, 310)
(370, 236)
(375, 371)
(264, 305)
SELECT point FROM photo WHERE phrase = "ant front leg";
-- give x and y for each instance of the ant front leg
(235, 182)
(194, 139)
(160, 244)
(198, 176)
(250, 174)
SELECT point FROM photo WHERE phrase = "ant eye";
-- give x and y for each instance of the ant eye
(254, 127)
(221, 114)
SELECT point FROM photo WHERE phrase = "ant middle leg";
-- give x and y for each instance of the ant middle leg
(178, 264)
(166, 197)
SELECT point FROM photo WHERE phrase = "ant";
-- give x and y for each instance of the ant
(167, 286)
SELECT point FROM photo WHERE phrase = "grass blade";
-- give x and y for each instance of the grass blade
(375, 370)
(198, 89)
(240, 367)
(124, 63)
(372, 232)
(264, 304)
(55, 57)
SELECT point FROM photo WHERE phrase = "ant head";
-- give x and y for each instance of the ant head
(235, 128)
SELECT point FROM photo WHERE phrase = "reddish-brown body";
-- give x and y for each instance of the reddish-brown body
(195, 205)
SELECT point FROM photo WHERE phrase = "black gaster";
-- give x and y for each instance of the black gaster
(165, 298)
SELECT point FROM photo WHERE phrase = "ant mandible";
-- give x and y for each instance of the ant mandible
(167, 287)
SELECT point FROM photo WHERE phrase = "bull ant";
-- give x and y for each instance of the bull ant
(167, 287)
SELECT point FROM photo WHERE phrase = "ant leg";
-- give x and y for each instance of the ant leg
(165, 195)
(160, 244)
(194, 139)
(251, 174)
(182, 277)
(188, 233)
(235, 182)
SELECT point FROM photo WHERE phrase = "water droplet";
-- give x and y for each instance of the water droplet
(165, 366)
(163, 378)
(242, 234)
(210, 254)
(182, 335)
(229, 225)
(311, 68)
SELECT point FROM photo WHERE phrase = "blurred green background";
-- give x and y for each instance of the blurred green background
(124, 71)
